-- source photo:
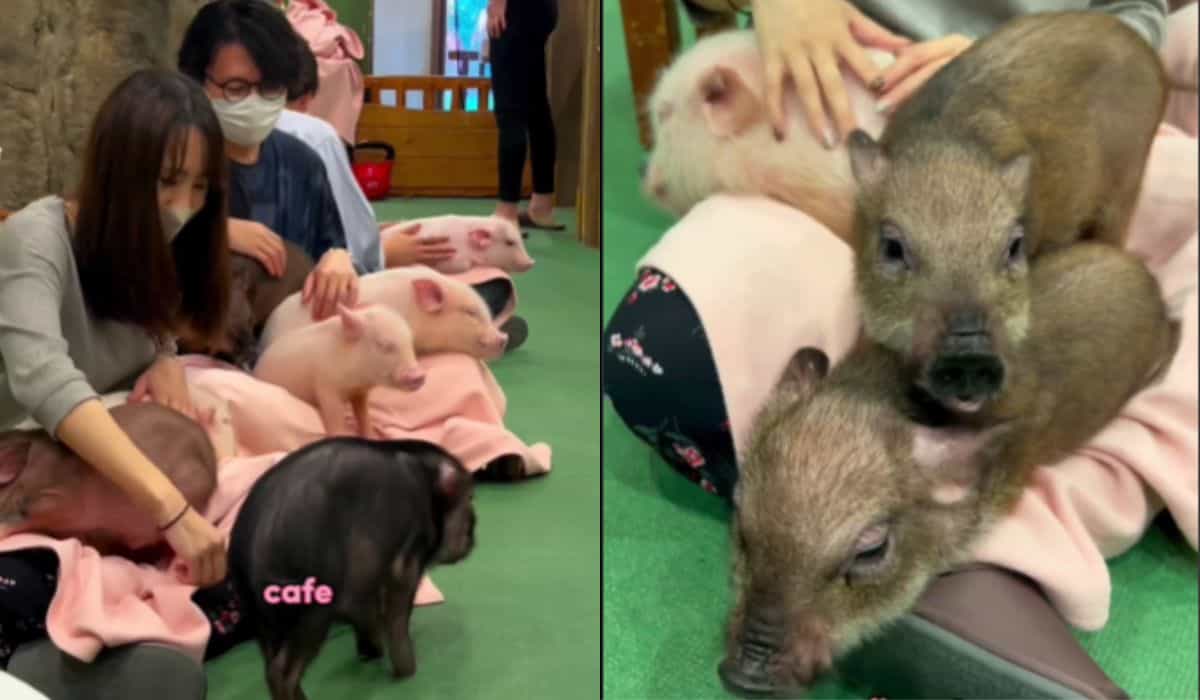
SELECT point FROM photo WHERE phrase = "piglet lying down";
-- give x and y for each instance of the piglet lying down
(477, 241)
(343, 529)
(46, 488)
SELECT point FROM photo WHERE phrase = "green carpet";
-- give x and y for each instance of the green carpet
(522, 613)
(666, 558)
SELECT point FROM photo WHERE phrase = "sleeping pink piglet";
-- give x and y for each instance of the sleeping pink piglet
(488, 241)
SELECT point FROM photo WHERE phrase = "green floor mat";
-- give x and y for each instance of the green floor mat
(522, 613)
(666, 557)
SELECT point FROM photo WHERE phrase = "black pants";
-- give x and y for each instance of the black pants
(522, 102)
(29, 578)
(662, 380)
(496, 294)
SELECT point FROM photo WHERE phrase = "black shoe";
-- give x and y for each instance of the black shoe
(502, 469)
(517, 330)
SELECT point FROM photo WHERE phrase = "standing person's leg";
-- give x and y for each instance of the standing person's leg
(542, 140)
(509, 84)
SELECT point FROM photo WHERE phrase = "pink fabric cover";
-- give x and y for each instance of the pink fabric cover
(460, 407)
(726, 255)
(1179, 56)
(338, 49)
(109, 601)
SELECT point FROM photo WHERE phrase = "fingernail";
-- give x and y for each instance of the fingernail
(882, 106)
(830, 138)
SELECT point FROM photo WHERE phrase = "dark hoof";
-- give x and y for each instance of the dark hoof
(748, 685)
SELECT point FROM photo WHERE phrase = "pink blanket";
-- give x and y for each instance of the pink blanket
(1074, 515)
(109, 601)
(338, 49)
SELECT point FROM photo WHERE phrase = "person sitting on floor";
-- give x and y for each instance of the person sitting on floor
(243, 52)
(362, 228)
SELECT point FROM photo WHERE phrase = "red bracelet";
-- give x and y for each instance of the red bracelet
(176, 519)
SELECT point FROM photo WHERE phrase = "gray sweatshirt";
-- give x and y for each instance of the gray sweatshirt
(53, 354)
(922, 20)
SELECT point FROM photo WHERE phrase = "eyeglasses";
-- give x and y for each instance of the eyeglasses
(237, 89)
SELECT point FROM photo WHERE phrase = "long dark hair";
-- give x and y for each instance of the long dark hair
(128, 270)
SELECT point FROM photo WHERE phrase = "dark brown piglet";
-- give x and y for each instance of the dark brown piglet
(852, 496)
(348, 526)
(1032, 139)
(47, 489)
(255, 294)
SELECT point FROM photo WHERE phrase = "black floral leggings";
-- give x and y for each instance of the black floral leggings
(29, 577)
(662, 380)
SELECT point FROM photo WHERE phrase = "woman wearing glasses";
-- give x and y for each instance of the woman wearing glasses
(244, 53)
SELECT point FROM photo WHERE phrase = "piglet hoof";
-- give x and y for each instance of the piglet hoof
(404, 664)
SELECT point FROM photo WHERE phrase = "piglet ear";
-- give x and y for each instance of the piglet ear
(952, 458)
(450, 482)
(480, 238)
(14, 455)
(867, 159)
(728, 105)
(429, 294)
(353, 324)
(807, 367)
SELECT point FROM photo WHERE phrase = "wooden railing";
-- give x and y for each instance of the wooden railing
(441, 148)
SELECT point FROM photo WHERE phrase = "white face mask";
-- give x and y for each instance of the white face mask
(173, 221)
(249, 121)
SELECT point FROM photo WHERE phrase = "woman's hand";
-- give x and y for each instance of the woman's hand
(402, 247)
(915, 65)
(165, 383)
(259, 242)
(806, 40)
(199, 544)
(495, 17)
(333, 281)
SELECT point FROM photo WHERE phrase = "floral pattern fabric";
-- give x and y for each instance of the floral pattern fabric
(660, 375)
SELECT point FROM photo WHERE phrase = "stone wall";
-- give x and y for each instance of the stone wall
(59, 59)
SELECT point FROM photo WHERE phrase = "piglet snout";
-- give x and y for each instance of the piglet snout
(410, 379)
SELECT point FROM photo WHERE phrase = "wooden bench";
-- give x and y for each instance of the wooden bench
(442, 150)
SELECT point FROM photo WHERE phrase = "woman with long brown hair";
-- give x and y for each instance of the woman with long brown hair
(92, 291)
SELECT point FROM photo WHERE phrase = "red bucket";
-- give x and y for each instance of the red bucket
(375, 178)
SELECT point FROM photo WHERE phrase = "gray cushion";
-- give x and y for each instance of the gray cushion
(131, 672)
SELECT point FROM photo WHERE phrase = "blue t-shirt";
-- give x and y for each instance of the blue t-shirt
(288, 192)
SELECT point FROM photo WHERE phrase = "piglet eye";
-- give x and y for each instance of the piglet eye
(892, 251)
(1016, 245)
(871, 552)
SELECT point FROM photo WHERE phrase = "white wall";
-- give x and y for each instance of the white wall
(402, 37)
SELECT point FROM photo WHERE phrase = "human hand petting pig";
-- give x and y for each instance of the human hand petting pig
(201, 546)
(404, 247)
(165, 384)
(259, 242)
(332, 282)
(495, 17)
(806, 40)
(916, 64)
